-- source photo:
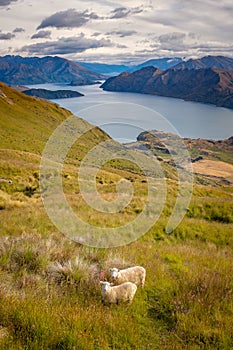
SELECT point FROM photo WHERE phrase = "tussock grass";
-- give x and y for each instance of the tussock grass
(51, 298)
(50, 295)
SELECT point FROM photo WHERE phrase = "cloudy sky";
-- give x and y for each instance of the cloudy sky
(116, 31)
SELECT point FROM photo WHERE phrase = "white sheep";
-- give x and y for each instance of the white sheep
(8, 181)
(118, 294)
(136, 274)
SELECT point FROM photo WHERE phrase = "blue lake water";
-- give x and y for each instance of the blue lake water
(125, 115)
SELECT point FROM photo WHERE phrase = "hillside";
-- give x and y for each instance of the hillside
(26, 122)
(203, 85)
(219, 62)
(131, 82)
(212, 160)
(17, 70)
(50, 295)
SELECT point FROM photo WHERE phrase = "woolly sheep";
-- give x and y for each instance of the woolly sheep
(117, 294)
(8, 181)
(136, 274)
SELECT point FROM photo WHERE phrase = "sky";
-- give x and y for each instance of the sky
(118, 31)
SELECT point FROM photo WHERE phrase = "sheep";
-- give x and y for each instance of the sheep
(118, 294)
(8, 181)
(136, 274)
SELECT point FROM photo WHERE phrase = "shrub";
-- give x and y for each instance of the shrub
(71, 272)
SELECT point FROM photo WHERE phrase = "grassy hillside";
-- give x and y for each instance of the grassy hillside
(50, 297)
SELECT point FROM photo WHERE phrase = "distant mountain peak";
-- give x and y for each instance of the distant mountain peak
(219, 62)
(17, 70)
(114, 69)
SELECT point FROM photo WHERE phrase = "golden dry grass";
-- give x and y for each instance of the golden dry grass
(213, 168)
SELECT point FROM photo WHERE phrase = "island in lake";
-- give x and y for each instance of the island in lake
(52, 95)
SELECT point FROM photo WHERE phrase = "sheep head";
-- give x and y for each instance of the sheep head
(105, 285)
(114, 272)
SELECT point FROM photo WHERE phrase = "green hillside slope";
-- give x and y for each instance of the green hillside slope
(27, 123)
(50, 296)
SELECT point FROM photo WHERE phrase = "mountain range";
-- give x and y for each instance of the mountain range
(114, 69)
(208, 79)
(220, 62)
(17, 70)
(206, 85)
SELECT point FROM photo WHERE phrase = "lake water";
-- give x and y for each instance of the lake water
(125, 115)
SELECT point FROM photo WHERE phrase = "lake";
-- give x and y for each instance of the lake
(125, 115)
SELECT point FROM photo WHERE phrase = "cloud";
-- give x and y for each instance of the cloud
(108, 3)
(212, 19)
(186, 44)
(174, 38)
(66, 46)
(122, 12)
(168, 28)
(18, 30)
(182, 44)
(96, 34)
(6, 36)
(172, 42)
(6, 2)
(45, 34)
(68, 19)
(171, 37)
(122, 33)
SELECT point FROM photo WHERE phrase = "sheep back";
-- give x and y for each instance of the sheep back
(121, 293)
(136, 274)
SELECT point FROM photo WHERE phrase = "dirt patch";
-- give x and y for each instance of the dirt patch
(215, 169)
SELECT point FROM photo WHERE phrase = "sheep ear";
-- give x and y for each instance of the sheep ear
(101, 282)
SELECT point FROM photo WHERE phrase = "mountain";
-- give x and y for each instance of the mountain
(106, 69)
(52, 95)
(161, 63)
(209, 85)
(219, 62)
(17, 70)
(114, 69)
(131, 82)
